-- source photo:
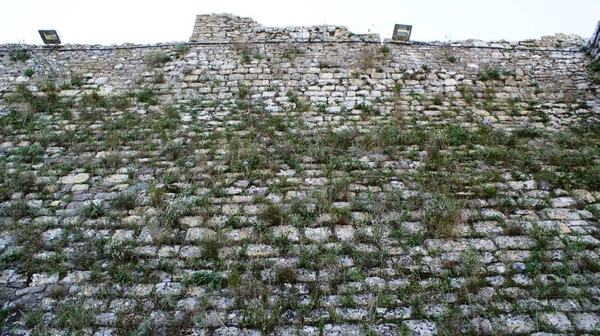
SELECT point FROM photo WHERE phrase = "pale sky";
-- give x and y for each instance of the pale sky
(150, 21)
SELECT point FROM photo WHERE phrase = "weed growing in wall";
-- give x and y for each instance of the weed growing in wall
(18, 53)
(490, 72)
(156, 58)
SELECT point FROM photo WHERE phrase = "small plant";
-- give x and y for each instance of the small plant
(126, 200)
(120, 249)
(542, 236)
(587, 263)
(74, 317)
(290, 52)
(367, 108)
(30, 154)
(211, 245)
(112, 160)
(147, 96)
(25, 182)
(120, 102)
(300, 105)
(441, 214)
(18, 53)
(490, 72)
(204, 278)
(174, 151)
(172, 213)
(92, 210)
(159, 78)
(77, 80)
(181, 48)
(451, 59)
(171, 112)
(33, 318)
(245, 56)
(262, 315)
(273, 214)
(94, 100)
(18, 209)
(145, 328)
(29, 72)
(594, 66)
(285, 275)
(397, 89)
(385, 50)
(537, 88)
(156, 58)
(467, 93)
(243, 92)
(156, 196)
(470, 263)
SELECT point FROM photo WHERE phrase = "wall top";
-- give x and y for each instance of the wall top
(227, 27)
(231, 28)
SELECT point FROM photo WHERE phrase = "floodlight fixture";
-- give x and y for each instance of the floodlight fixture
(49, 36)
(402, 32)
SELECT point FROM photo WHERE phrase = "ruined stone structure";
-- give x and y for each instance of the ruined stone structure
(301, 180)
(594, 44)
(230, 28)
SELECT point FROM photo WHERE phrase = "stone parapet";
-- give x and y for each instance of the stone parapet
(231, 28)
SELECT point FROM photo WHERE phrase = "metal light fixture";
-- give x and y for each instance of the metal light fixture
(402, 32)
(49, 36)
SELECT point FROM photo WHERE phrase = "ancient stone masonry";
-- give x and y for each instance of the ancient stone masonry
(340, 76)
(300, 180)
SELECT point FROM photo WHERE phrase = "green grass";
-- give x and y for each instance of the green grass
(73, 317)
(93, 211)
(147, 96)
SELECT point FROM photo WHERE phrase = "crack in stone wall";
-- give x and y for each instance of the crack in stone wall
(594, 44)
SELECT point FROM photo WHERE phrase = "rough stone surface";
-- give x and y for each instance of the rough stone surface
(586, 322)
(556, 321)
(75, 179)
(594, 43)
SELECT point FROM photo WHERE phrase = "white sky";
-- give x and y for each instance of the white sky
(151, 21)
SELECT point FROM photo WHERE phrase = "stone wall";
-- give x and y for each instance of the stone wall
(336, 77)
(299, 184)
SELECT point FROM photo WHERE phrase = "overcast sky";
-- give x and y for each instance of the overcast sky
(120, 21)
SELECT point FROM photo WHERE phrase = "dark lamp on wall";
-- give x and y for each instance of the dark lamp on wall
(402, 32)
(49, 36)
